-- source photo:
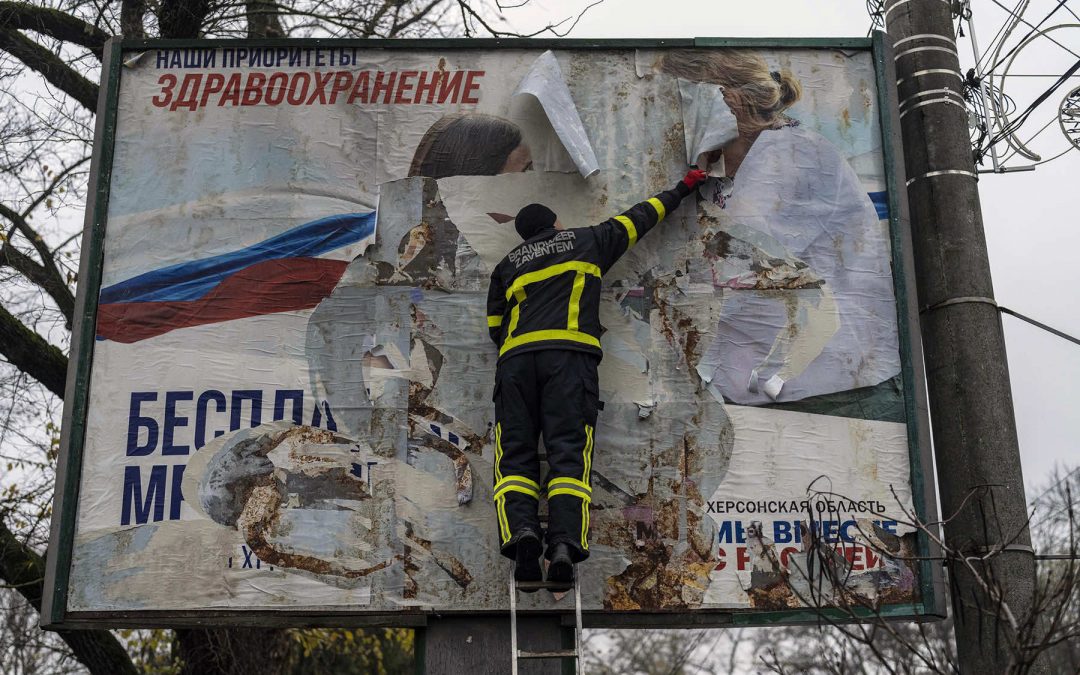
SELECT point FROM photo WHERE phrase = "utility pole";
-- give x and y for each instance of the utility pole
(971, 410)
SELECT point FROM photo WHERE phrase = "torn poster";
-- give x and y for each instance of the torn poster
(545, 83)
(290, 396)
(708, 123)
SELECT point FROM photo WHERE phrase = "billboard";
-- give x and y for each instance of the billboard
(282, 398)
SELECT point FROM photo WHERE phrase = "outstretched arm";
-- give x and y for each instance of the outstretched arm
(617, 235)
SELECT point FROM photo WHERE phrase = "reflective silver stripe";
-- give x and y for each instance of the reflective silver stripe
(512, 485)
(566, 480)
(525, 480)
(570, 490)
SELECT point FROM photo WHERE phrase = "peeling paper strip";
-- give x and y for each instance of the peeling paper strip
(545, 83)
(708, 123)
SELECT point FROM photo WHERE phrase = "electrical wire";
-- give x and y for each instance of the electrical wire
(1038, 324)
(876, 10)
(998, 36)
(1034, 29)
(1013, 125)
(1039, 132)
(1008, 128)
(1016, 14)
(1069, 10)
(1002, 103)
(1059, 482)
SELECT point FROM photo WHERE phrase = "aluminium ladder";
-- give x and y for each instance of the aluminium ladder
(515, 653)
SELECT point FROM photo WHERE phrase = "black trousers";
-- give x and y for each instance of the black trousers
(554, 392)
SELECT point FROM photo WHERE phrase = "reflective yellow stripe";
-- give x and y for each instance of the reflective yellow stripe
(498, 451)
(585, 525)
(504, 525)
(552, 271)
(587, 452)
(659, 206)
(501, 494)
(539, 335)
(555, 482)
(515, 314)
(575, 301)
(631, 231)
(585, 478)
(522, 479)
(573, 492)
(494, 321)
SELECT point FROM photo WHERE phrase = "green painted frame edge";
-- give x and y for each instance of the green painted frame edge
(419, 619)
(923, 483)
(55, 613)
(506, 43)
(77, 390)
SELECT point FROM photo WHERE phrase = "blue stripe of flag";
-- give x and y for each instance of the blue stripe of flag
(881, 204)
(194, 279)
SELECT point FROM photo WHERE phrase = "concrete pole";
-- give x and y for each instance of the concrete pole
(971, 410)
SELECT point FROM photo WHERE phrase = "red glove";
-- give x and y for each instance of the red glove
(694, 178)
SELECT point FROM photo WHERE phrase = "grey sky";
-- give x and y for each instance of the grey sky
(1030, 218)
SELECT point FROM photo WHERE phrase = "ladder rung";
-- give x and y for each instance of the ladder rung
(557, 586)
(559, 654)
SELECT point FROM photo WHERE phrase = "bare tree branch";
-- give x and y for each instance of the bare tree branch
(54, 23)
(24, 570)
(468, 13)
(51, 67)
(38, 274)
(32, 354)
(418, 15)
(46, 275)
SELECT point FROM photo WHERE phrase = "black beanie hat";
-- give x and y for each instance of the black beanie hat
(532, 219)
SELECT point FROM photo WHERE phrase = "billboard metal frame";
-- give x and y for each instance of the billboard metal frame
(55, 614)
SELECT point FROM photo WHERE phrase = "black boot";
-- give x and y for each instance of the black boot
(527, 557)
(561, 566)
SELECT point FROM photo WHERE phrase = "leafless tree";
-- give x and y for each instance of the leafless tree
(852, 636)
(50, 62)
(871, 643)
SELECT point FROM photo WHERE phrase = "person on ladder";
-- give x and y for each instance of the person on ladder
(544, 317)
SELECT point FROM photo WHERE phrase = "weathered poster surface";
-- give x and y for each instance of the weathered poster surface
(290, 398)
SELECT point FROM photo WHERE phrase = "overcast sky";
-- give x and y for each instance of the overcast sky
(1031, 219)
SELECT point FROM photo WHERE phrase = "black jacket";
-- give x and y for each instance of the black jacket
(545, 294)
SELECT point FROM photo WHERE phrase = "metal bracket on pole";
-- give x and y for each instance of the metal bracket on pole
(960, 300)
(942, 172)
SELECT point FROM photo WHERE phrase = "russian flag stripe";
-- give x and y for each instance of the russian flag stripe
(192, 280)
